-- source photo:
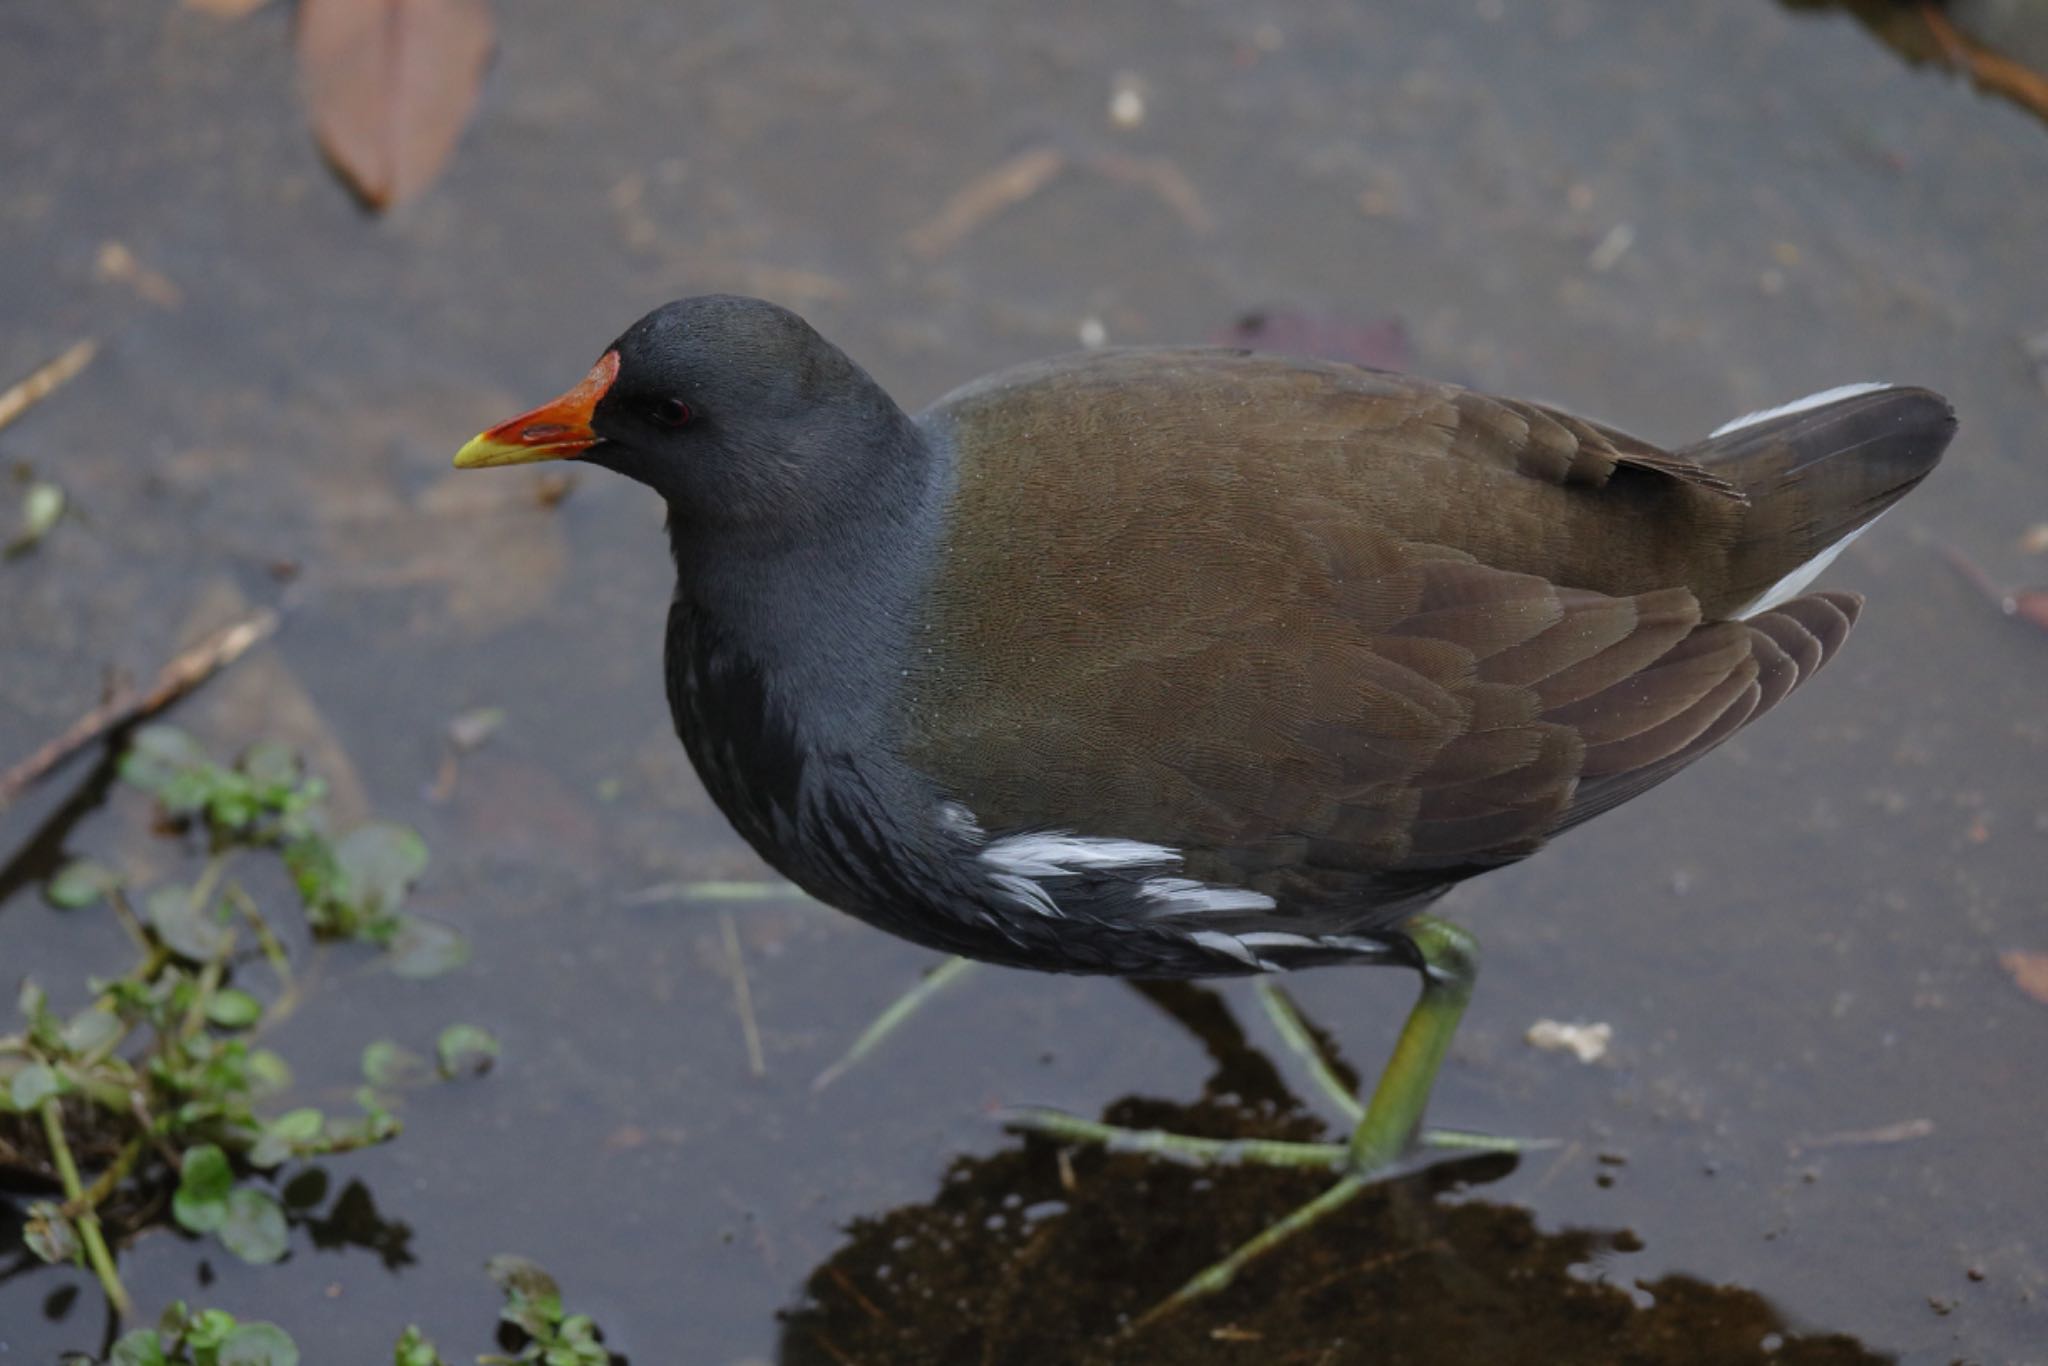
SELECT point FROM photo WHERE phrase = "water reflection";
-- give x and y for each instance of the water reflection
(1039, 1253)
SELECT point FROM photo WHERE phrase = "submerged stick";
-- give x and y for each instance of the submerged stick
(184, 673)
(742, 994)
(45, 381)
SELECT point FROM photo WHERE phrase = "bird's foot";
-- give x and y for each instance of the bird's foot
(1388, 1136)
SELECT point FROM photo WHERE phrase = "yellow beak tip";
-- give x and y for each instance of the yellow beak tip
(482, 452)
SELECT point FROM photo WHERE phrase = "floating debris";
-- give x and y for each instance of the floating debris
(1586, 1042)
(41, 507)
(1127, 101)
(1905, 1131)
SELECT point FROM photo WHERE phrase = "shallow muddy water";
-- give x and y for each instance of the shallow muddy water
(1818, 1134)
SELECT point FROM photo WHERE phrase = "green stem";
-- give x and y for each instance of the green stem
(209, 878)
(103, 1185)
(209, 983)
(132, 922)
(88, 1217)
(901, 1009)
(273, 951)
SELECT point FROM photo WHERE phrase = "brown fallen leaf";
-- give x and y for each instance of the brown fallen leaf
(1379, 343)
(2029, 969)
(390, 85)
(226, 9)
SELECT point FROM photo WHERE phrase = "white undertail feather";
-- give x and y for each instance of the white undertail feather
(1177, 895)
(1020, 861)
(1798, 405)
(1796, 582)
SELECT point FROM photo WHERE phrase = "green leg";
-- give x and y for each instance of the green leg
(1287, 1020)
(1389, 1126)
(1393, 1118)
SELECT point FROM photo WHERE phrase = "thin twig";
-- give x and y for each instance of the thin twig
(742, 994)
(45, 381)
(988, 194)
(184, 673)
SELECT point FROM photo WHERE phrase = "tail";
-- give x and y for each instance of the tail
(1815, 473)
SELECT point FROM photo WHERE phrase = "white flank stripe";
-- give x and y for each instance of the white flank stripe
(1177, 895)
(1798, 405)
(1027, 893)
(1278, 939)
(1052, 853)
(1232, 945)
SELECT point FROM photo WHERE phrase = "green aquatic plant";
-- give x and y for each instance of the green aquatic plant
(159, 1079)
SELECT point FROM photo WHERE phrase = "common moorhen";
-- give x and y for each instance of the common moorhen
(1196, 662)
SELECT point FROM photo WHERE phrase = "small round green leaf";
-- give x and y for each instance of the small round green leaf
(254, 1228)
(258, 1344)
(298, 1126)
(267, 1071)
(379, 862)
(159, 755)
(185, 929)
(204, 1181)
(140, 1348)
(34, 1084)
(426, 948)
(231, 1008)
(415, 1349)
(91, 1029)
(79, 883)
(465, 1050)
(391, 1066)
(270, 765)
(287, 1135)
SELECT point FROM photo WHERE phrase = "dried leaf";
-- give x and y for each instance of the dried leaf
(226, 9)
(390, 84)
(2029, 970)
(1381, 343)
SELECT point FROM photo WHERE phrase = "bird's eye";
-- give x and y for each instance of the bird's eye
(673, 412)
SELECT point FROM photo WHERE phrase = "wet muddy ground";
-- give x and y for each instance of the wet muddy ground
(1818, 1132)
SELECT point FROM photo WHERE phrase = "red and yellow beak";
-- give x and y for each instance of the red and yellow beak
(554, 431)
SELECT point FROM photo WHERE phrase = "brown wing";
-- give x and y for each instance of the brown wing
(1270, 641)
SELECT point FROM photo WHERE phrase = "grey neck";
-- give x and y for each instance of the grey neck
(825, 617)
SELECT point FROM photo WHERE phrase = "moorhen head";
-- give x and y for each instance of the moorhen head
(1192, 662)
